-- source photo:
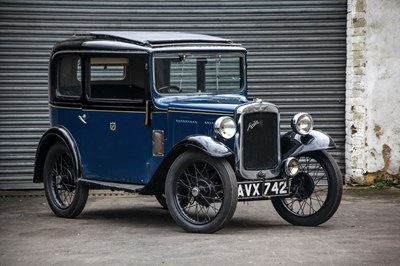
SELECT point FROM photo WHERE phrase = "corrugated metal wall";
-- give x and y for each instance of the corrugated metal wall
(297, 55)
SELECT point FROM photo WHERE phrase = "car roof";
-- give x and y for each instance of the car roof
(158, 38)
(146, 41)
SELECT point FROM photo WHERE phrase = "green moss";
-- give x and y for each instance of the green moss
(382, 182)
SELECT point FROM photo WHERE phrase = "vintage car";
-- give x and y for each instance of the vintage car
(167, 114)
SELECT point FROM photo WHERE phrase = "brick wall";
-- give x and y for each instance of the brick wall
(355, 91)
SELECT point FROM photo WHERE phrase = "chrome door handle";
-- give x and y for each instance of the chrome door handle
(82, 118)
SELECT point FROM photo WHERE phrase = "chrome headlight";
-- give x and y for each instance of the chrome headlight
(302, 123)
(225, 127)
(291, 166)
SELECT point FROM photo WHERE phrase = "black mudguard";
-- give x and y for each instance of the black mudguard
(293, 144)
(209, 145)
(206, 144)
(51, 136)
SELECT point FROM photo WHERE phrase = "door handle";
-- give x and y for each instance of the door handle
(82, 118)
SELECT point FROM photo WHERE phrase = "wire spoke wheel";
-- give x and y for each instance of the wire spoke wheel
(201, 192)
(315, 191)
(63, 183)
(309, 187)
(65, 195)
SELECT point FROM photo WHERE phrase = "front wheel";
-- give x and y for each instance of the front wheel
(316, 191)
(201, 192)
(65, 195)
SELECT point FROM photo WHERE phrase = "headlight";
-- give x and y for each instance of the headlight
(291, 166)
(302, 123)
(225, 127)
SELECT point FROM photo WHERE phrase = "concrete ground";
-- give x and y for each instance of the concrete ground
(125, 229)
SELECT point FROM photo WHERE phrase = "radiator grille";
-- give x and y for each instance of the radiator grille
(260, 140)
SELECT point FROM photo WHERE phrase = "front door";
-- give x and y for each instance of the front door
(117, 142)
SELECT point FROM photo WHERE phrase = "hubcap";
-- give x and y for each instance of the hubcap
(205, 192)
(303, 185)
(195, 192)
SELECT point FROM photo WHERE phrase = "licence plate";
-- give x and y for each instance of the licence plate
(256, 189)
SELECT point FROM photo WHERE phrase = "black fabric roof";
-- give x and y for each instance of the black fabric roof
(153, 38)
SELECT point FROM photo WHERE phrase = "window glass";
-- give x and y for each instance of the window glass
(117, 78)
(105, 68)
(69, 85)
(219, 74)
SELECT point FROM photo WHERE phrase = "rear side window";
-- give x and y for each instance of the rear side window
(108, 68)
(69, 73)
(117, 78)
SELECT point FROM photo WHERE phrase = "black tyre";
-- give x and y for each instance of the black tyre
(161, 199)
(316, 191)
(201, 192)
(65, 195)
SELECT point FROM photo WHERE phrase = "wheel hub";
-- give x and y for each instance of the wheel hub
(65, 182)
(302, 186)
(203, 192)
(58, 178)
(195, 192)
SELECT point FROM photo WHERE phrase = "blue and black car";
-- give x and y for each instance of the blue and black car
(167, 114)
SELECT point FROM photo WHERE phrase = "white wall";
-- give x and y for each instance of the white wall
(373, 90)
(383, 86)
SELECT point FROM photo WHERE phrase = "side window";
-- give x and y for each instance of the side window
(117, 78)
(69, 77)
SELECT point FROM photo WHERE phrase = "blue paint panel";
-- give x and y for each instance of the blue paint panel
(200, 102)
(116, 146)
(110, 155)
(68, 118)
(159, 121)
(183, 124)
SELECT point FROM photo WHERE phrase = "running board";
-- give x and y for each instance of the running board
(113, 186)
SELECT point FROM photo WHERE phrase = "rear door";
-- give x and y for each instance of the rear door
(117, 142)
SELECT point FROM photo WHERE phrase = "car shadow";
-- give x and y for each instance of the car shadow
(143, 216)
(155, 216)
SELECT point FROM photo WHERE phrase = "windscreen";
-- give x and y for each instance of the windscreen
(194, 73)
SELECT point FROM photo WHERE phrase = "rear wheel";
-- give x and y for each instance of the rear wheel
(65, 195)
(316, 191)
(201, 192)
